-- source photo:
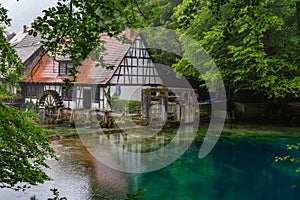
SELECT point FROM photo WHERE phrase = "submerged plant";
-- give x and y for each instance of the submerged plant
(136, 196)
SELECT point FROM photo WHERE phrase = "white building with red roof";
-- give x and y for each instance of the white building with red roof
(132, 69)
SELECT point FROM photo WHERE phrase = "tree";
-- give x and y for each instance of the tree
(74, 29)
(70, 30)
(24, 147)
(165, 9)
(10, 65)
(241, 36)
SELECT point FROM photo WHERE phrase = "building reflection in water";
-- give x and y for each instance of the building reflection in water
(140, 150)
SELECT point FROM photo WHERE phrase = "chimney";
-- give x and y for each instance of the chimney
(24, 29)
(129, 33)
(35, 21)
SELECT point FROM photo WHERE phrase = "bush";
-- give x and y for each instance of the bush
(29, 106)
(119, 105)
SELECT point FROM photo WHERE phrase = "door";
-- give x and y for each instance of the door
(87, 99)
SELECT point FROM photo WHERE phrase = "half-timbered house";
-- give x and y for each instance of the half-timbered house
(132, 69)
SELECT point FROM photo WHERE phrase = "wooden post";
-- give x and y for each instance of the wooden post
(178, 112)
(146, 100)
(126, 113)
(165, 104)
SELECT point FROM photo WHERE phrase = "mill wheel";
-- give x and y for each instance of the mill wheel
(50, 101)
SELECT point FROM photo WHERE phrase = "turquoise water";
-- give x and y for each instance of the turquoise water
(240, 167)
(237, 169)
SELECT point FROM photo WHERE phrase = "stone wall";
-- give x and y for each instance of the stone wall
(267, 112)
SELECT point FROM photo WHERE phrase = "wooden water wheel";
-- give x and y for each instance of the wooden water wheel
(50, 101)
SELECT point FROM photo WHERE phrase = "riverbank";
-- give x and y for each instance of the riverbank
(56, 132)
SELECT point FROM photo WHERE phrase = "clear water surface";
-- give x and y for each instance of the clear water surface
(240, 167)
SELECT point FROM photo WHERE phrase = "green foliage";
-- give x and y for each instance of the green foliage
(296, 160)
(23, 146)
(165, 9)
(134, 106)
(74, 29)
(30, 110)
(30, 106)
(10, 65)
(254, 45)
(23, 149)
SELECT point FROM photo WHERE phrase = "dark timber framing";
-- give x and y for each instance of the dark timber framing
(134, 67)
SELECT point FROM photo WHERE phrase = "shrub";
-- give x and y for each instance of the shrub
(119, 105)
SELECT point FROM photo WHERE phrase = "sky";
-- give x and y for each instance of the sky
(23, 12)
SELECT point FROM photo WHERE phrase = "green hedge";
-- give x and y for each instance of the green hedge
(119, 105)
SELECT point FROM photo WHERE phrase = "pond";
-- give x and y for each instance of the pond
(241, 166)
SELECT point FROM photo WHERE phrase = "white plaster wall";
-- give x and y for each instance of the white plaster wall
(131, 92)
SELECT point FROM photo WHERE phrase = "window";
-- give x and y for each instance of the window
(33, 90)
(118, 90)
(96, 91)
(63, 66)
(67, 94)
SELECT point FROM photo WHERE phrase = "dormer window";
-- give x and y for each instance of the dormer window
(63, 68)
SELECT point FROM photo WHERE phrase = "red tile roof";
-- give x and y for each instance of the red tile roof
(91, 72)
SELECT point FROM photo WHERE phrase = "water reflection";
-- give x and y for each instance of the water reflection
(237, 168)
(142, 150)
(76, 175)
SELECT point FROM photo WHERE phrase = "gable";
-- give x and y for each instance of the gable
(137, 67)
(132, 65)
(91, 72)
